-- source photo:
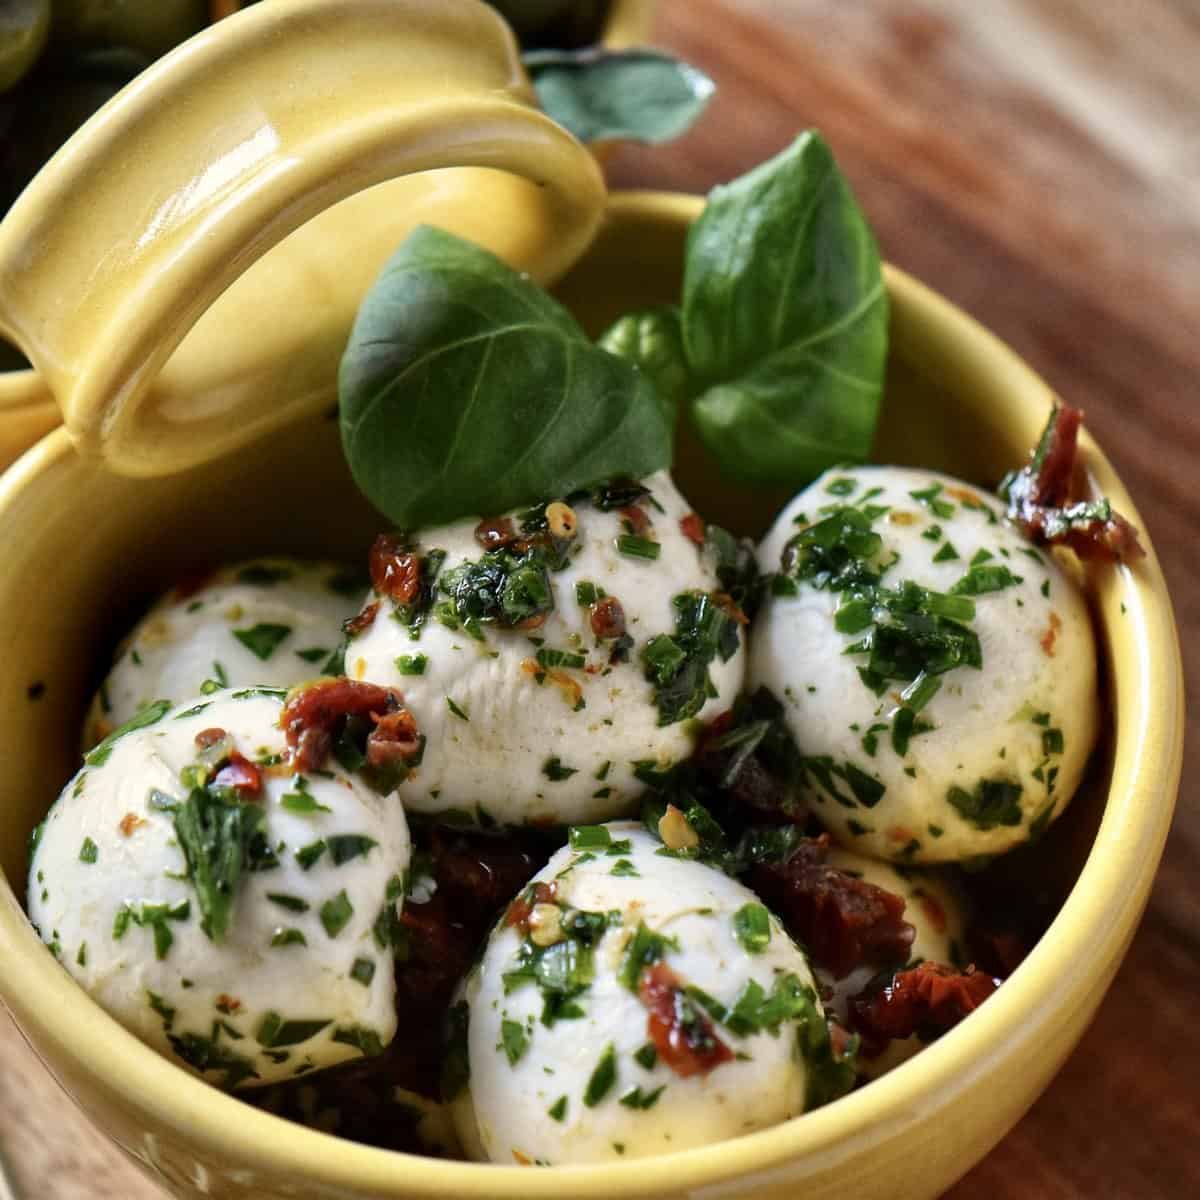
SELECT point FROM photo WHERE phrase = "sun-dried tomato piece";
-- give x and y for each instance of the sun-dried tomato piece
(927, 999)
(395, 568)
(362, 621)
(683, 1036)
(240, 774)
(478, 873)
(395, 738)
(638, 518)
(313, 716)
(766, 797)
(1043, 502)
(607, 617)
(693, 528)
(841, 920)
(495, 533)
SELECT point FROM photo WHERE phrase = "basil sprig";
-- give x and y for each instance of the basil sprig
(466, 389)
(600, 94)
(779, 344)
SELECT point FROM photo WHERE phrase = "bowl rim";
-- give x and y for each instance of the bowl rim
(1090, 932)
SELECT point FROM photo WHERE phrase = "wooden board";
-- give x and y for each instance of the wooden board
(1038, 161)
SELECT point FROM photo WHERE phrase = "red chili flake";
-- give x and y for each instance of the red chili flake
(730, 607)
(843, 921)
(928, 999)
(362, 621)
(520, 910)
(228, 1004)
(311, 716)
(1051, 635)
(495, 533)
(693, 528)
(1043, 501)
(395, 738)
(129, 822)
(191, 583)
(683, 1036)
(209, 737)
(240, 774)
(607, 617)
(638, 520)
(395, 569)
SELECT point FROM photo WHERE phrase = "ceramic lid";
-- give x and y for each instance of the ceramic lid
(185, 271)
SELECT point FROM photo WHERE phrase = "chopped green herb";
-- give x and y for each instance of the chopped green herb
(306, 856)
(946, 553)
(554, 770)
(302, 802)
(336, 913)
(930, 498)
(558, 1110)
(646, 1056)
(752, 927)
(204, 1054)
(603, 1077)
(314, 654)
(149, 714)
(842, 486)
(633, 546)
(345, 846)
(89, 851)
(979, 580)
(636, 1098)
(365, 1040)
(589, 837)
(454, 708)
(993, 803)
(587, 593)
(288, 937)
(1052, 742)
(263, 640)
(363, 971)
(274, 1031)
(548, 657)
(513, 1040)
(411, 664)
(645, 948)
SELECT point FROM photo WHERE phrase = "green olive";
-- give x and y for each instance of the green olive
(558, 24)
(24, 25)
(150, 26)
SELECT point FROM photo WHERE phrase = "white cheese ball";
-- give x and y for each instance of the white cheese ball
(935, 910)
(299, 980)
(511, 743)
(270, 621)
(530, 1083)
(997, 752)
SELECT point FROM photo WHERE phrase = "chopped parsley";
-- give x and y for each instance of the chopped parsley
(274, 1031)
(458, 712)
(336, 913)
(148, 714)
(89, 851)
(633, 546)
(288, 937)
(558, 1110)
(345, 846)
(514, 1041)
(603, 1077)
(677, 664)
(589, 837)
(363, 971)
(993, 803)
(752, 927)
(264, 639)
(636, 1098)
(411, 664)
(983, 578)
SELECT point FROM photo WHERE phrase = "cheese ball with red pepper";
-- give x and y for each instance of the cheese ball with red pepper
(630, 1003)
(937, 671)
(545, 653)
(233, 914)
(270, 621)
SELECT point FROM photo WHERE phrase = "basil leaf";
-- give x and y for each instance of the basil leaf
(601, 94)
(653, 341)
(466, 389)
(785, 320)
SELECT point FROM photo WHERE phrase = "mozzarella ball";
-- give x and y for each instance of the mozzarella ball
(299, 979)
(273, 622)
(935, 910)
(984, 748)
(560, 1046)
(543, 725)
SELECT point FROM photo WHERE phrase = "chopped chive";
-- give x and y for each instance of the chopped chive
(633, 546)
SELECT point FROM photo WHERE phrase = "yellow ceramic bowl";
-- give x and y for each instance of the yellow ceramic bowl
(28, 408)
(82, 548)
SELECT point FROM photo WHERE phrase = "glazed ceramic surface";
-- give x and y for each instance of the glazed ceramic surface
(154, 217)
(83, 548)
(369, 227)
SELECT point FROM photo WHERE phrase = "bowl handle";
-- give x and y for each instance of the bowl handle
(153, 213)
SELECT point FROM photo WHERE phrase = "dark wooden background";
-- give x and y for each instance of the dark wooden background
(1037, 161)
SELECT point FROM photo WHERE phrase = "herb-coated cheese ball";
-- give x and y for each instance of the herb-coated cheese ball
(271, 621)
(933, 908)
(631, 1003)
(526, 665)
(937, 671)
(235, 916)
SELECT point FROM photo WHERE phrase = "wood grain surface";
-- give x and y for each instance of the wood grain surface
(1037, 161)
